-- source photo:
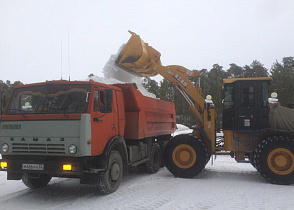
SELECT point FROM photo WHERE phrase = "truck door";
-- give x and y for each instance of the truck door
(247, 106)
(104, 126)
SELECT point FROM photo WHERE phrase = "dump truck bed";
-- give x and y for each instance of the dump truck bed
(145, 116)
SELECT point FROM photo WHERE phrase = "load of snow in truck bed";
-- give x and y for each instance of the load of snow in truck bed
(116, 75)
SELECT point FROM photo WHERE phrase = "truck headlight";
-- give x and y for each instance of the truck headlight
(72, 149)
(5, 148)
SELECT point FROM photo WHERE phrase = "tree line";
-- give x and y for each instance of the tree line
(282, 74)
(6, 88)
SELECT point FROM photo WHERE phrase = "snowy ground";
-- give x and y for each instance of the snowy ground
(224, 185)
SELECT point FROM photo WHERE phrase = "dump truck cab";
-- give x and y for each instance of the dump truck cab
(45, 118)
(48, 125)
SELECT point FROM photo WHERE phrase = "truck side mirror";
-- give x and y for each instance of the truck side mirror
(106, 99)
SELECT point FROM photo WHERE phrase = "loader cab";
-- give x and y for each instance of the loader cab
(245, 103)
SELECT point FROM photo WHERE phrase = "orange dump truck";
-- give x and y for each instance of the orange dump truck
(85, 130)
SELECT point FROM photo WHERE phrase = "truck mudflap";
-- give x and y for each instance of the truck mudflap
(72, 168)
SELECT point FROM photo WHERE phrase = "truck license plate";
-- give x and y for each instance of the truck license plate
(38, 167)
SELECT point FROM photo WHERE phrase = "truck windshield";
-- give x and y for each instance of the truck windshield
(49, 99)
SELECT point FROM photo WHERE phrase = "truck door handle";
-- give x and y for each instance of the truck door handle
(113, 126)
(95, 119)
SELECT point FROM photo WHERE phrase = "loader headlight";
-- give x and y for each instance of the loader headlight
(5, 148)
(72, 149)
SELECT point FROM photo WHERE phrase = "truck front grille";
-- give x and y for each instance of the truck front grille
(38, 148)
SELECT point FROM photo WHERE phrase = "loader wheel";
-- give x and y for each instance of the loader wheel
(275, 160)
(153, 165)
(35, 181)
(185, 156)
(253, 160)
(110, 179)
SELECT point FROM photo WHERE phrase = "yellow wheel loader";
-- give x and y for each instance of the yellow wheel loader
(247, 134)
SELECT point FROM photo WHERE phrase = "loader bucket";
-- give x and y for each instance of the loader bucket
(138, 57)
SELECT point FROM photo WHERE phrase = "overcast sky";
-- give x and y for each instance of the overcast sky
(195, 34)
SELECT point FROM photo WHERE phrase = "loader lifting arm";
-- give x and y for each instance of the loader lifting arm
(137, 57)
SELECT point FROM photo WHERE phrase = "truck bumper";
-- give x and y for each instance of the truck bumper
(18, 166)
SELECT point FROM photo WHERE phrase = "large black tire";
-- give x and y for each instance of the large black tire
(162, 145)
(153, 164)
(208, 147)
(142, 168)
(275, 160)
(253, 160)
(110, 179)
(36, 181)
(185, 156)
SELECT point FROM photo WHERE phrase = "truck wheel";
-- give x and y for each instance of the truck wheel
(154, 164)
(275, 160)
(185, 156)
(162, 145)
(36, 181)
(110, 180)
(142, 168)
(253, 161)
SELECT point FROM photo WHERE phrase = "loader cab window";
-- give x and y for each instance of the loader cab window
(264, 94)
(96, 101)
(228, 96)
(246, 95)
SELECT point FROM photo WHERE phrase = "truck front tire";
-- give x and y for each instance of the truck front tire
(36, 181)
(110, 179)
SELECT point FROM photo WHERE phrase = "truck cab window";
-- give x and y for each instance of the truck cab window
(96, 101)
(26, 103)
(49, 99)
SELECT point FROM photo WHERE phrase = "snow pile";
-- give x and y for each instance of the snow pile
(114, 75)
(105, 80)
(181, 129)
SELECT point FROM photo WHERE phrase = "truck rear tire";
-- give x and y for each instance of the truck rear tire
(36, 181)
(110, 179)
(275, 160)
(162, 145)
(153, 165)
(185, 156)
(142, 168)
